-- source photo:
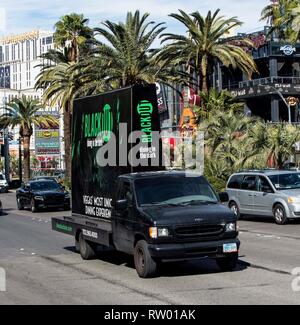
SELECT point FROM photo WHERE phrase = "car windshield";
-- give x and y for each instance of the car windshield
(44, 186)
(179, 190)
(286, 181)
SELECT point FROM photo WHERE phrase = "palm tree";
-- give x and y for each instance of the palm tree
(23, 112)
(206, 43)
(59, 79)
(126, 50)
(71, 31)
(283, 17)
(275, 143)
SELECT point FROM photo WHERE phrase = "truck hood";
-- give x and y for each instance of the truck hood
(191, 214)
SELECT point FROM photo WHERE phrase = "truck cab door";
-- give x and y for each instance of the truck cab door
(124, 218)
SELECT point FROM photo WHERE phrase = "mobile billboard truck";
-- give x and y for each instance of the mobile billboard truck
(124, 198)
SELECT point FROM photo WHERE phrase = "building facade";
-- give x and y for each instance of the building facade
(20, 64)
(274, 92)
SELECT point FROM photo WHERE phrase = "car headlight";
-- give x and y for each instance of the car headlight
(38, 197)
(67, 196)
(155, 232)
(293, 199)
(230, 227)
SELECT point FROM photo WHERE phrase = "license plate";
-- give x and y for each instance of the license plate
(229, 248)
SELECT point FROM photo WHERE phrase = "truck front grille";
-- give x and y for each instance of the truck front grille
(199, 231)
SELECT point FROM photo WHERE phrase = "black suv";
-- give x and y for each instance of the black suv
(42, 194)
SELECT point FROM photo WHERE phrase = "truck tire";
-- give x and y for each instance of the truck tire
(280, 214)
(228, 263)
(145, 265)
(87, 249)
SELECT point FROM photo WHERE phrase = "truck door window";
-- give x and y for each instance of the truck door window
(126, 193)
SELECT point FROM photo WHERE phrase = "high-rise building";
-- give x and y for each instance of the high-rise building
(20, 64)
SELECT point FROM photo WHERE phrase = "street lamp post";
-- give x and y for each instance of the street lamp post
(284, 100)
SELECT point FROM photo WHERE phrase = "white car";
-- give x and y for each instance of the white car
(3, 184)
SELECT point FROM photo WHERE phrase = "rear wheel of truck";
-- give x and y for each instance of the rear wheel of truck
(87, 249)
(228, 263)
(145, 265)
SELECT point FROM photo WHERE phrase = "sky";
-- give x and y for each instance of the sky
(17, 16)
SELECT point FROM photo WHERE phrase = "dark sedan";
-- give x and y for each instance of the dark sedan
(42, 194)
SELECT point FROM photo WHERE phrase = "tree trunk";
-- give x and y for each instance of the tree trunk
(204, 74)
(26, 160)
(68, 139)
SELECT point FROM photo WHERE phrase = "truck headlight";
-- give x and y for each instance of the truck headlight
(39, 198)
(155, 232)
(230, 227)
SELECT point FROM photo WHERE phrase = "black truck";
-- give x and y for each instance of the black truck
(133, 204)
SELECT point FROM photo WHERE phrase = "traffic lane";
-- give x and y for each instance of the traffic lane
(112, 280)
(267, 226)
(21, 235)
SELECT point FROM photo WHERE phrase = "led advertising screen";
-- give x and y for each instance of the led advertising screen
(104, 145)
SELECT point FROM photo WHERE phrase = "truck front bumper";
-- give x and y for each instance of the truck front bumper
(213, 249)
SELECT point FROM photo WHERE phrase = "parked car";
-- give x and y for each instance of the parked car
(265, 193)
(3, 184)
(41, 194)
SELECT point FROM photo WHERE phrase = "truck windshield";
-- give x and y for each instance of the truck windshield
(174, 191)
(286, 181)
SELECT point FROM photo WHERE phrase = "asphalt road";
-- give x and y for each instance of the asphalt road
(42, 268)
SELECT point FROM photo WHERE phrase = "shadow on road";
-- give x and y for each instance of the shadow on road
(167, 269)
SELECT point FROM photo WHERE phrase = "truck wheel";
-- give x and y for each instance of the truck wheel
(279, 214)
(145, 265)
(19, 204)
(87, 249)
(228, 263)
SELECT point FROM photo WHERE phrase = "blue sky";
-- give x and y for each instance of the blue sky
(25, 15)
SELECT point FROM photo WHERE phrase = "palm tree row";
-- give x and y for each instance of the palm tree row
(122, 54)
(235, 142)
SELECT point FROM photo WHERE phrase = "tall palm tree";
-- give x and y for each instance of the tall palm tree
(126, 50)
(72, 36)
(23, 112)
(204, 44)
(71, 31)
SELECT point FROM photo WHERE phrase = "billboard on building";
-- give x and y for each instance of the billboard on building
(47, 140)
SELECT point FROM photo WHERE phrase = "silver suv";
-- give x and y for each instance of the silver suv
(265, 193)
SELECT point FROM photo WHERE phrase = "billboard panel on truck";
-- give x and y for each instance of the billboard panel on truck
(101, 148)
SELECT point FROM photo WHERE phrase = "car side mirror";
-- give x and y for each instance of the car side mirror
(27, 188)
(121, 205)
(266, 189)
(223, 196)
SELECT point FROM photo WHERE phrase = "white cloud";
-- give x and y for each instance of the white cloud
(24, 15)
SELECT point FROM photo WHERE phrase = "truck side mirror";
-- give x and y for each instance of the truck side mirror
(121, 205)
(224, 197)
